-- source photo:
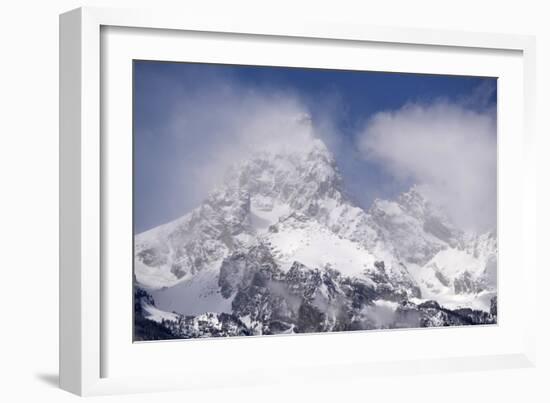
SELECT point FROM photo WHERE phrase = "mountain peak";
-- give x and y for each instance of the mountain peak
(411, 202)
(414, 202)
(292, 200)
(288, 175)
(413, 194)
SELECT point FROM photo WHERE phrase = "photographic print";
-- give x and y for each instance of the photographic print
(278, 200)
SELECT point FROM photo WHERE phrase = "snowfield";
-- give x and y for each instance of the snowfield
(314, 245)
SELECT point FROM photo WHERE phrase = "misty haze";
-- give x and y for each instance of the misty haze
(273, 200)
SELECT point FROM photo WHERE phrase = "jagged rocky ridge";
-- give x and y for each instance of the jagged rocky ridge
(281, 248)
(270, 301)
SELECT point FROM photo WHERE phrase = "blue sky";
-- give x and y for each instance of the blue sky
(181, 111)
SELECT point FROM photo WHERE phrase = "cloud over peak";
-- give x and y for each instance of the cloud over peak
(446, 148)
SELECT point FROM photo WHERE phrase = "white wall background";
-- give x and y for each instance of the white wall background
(29, 187)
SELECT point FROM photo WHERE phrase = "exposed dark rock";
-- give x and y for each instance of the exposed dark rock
(267, 300)
(145, 329)
(442, 279)
(493, 310)
(465, 283)
(152, 257)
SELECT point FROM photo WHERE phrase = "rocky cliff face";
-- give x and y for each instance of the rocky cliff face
(280, 248)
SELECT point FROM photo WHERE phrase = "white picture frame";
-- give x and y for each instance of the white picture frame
(94, 346)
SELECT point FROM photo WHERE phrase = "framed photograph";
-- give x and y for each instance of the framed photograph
(276, 200)
(247, 201)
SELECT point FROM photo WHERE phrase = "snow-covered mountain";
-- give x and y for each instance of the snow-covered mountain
(282, 232)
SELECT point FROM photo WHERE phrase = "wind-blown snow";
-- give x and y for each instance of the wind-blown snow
(193, 295)
(157, 315)
(154, 277)
(265, 212)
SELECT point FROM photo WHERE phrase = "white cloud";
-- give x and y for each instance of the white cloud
(211, 121)
(447, 149)
(223, 125)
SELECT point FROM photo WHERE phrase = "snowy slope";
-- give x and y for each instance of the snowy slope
(455, 279)
(313, 244)
(255, 195)
(194, 295)
(293, 203)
